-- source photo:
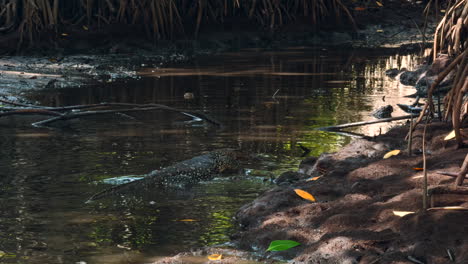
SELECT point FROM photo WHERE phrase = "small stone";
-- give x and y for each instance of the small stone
(289, 177)
(392, 72)
(189, 96)
(383, 112)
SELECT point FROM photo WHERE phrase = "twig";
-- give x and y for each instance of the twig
(305, 150)
(30, 112)
(462, 174)
(410, 140)
(414, 260)
(451, 174)
(425, 194)
(275, 93)
(450, 254)
(461, 208)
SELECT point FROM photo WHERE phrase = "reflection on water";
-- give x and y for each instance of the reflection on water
(269, 104)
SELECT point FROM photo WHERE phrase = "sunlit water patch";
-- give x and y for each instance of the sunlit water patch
(269, 104)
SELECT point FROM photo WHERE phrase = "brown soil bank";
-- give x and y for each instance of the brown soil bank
(353, 220)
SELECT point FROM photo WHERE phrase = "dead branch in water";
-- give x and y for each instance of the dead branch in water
(363, 123)
(75, 111)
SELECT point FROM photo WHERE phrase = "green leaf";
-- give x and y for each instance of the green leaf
(280, 245)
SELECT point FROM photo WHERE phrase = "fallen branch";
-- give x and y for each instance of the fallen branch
(446, 173)
(55, 111)
(363, 123)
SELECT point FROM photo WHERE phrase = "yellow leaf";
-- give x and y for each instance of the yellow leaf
(85, 28)
(305, 195)
(391, 153)
(187, 220)
(379, 3)
(215, 256)
(64, 34)
(402, 213)
(418, 169)
(379, 30)
(450, 136)
(443, 10)
(314, 178)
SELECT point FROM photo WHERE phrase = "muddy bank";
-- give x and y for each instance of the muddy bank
(20, 74)
(76, 56)
(353, 220)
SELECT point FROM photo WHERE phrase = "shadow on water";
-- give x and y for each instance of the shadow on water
(47, 174)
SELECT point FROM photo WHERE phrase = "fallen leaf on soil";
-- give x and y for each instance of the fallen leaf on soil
(391, 153)
(314, 178)
(379, 3)
(359, 8)
(450, 136)
(305, 195)
(402, 213)
(418, 177)
(215, 256)
(280, 245)
(418, 169)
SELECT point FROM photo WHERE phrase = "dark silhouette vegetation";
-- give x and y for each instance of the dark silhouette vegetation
(162, 19)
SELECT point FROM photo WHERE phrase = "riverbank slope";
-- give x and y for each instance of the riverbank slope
(358, 217)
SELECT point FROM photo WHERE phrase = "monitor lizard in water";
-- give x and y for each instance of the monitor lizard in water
(199, 168)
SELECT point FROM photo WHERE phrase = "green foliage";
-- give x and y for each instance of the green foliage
(280, 245)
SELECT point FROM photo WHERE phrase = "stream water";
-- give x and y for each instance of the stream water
(269, 104)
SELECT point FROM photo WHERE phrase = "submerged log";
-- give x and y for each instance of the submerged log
(199, 168)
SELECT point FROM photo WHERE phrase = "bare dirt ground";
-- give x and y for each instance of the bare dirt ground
(353, 220)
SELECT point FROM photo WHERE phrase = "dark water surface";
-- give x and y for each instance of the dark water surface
(46, 175)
